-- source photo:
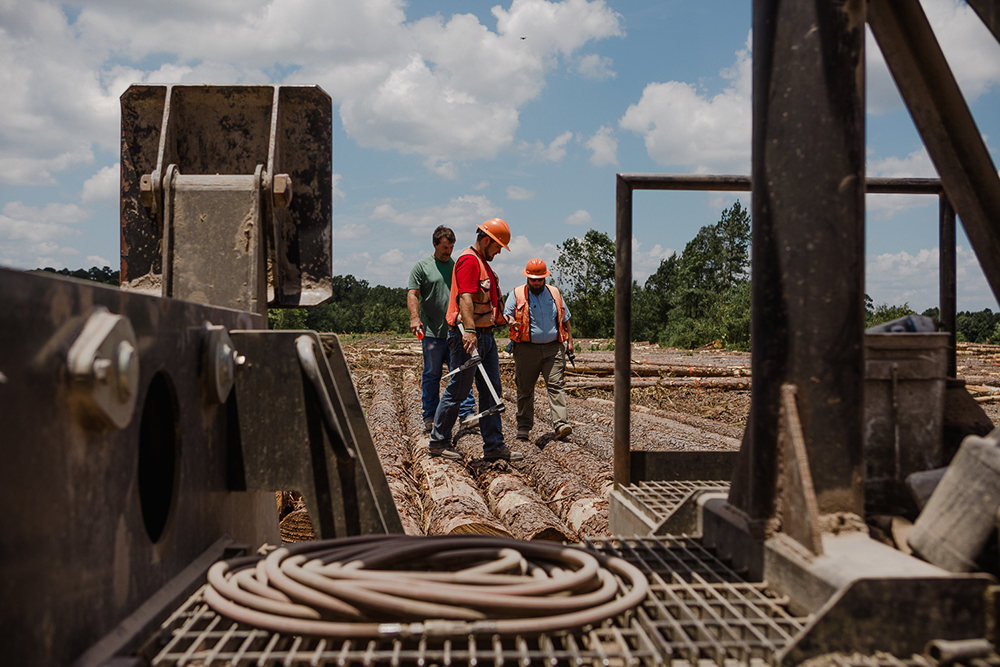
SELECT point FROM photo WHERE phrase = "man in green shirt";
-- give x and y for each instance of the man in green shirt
(427, 300)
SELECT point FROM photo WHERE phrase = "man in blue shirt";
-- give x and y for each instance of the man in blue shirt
(539, 328)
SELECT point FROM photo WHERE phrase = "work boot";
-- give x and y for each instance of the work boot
(504, 454)
(564, 431)
(523, 433)
(449, 453)
(428, 425)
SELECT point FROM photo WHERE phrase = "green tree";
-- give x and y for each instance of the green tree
(875, 315)
(103, 275)
(976, 327)
(585, 272)
(704, 295)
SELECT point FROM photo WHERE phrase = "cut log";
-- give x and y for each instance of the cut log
(658, 369)
(598, 473)
(583, 508)
(704, 382)
(452, 502)
(393, 452)
(296, 527)
(517, 504)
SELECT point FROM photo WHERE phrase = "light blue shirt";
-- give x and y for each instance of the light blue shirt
(542, 314)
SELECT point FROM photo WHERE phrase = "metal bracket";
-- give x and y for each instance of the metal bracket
(799, 510)
(302, 428)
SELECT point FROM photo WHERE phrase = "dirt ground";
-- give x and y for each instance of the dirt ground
(673, 408)
(979, 365)
(728, 406)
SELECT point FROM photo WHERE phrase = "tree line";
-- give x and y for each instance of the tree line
(697, 297)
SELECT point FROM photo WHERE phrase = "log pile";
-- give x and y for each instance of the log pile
(584, 509)
(393, 452)
(560, 490)
(453, 503)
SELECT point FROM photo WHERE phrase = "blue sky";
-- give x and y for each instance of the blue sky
(445, 115)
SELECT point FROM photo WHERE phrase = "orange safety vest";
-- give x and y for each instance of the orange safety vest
(482, 308)
(520, 328)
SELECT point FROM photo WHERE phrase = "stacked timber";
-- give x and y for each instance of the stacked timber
(452, 502)
(296, 526)
(579, 505)
(597, 472)
(393, 452)
(512, 498)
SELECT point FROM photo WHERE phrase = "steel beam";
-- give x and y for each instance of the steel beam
(943, 119)
(808, 175)
(989, 12)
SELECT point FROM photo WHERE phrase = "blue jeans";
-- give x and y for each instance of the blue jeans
(461, 384)
(435, 354)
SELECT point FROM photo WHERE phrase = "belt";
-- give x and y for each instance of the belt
(479, 330)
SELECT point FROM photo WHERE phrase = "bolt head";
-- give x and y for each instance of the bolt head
(146, 190)
(281, 189)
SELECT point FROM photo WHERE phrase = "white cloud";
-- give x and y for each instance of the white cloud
(597, 67)
(448, 90)
(345, 231)
(554, 152)
(509, 265)
(338, 194)
(897, 278)
(104, 186)
(97, 260)
(462, 214)
(972, 53)
(32, 237)
(685, 128)
(646, 262)
(481, 185)
(517, 193)
(916, 164)
(604, 147)
(580, 217)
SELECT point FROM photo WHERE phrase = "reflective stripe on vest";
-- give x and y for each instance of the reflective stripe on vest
(520, 328)
(482, 307)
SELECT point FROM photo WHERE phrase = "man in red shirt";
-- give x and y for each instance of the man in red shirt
(475, 302)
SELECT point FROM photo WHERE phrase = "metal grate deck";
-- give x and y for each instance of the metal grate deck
(659, 499)
(698, 609)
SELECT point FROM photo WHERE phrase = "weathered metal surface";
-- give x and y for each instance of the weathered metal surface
(627, 182)
(798, 510)
(304, 434)
(897, 616)
(989, 12)
(808, 246)
(228, 131)
(216, 251)
(905, 383)
(947, 283)
(97, 521)
(943, 119)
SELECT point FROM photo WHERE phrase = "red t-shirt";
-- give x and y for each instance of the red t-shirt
(466, 276)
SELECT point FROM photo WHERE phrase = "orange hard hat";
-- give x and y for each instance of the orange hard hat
(536, 269)
(497, 230)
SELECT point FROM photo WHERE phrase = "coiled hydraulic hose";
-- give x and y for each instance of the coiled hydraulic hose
(401, 586)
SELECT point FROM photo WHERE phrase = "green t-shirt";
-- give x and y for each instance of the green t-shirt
(433, 279)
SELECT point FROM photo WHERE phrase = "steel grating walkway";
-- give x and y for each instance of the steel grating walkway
(660, 498)
(698, 609)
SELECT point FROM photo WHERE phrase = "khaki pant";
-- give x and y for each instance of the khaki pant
(530, 361)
